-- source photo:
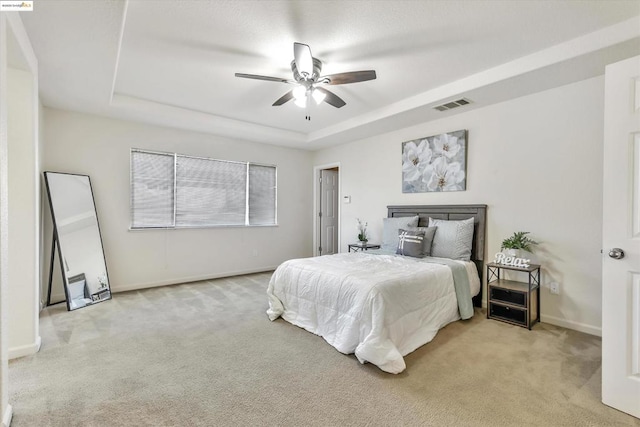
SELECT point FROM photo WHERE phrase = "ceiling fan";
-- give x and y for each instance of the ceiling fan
(306, 76)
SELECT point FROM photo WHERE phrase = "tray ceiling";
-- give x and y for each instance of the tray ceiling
(173, 62)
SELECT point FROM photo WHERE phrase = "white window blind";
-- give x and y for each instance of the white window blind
(210, 192)
(262, 195)
(200, 192)
(152, 189)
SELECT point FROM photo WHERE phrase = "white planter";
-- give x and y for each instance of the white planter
(512, 252)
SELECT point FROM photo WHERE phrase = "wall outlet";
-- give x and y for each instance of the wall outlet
(554, 288)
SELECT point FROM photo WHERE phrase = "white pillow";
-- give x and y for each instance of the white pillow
(76, 289)
(453, 239)
(390, 227)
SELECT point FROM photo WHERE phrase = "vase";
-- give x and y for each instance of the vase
(513, 253)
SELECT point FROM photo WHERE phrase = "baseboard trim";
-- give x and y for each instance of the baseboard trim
(7, 416)
(178, 280)
(25, 350)
(570, 324)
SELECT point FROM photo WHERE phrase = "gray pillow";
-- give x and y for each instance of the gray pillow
(453, 239)
(410, 243)
(390, 227)
(429, 232)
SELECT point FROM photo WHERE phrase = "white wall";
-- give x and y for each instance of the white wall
(5, 408)
(24, 221)
(535, 161)
(99, 147)
(18, 125)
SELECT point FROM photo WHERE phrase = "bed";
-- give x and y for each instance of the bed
(380, 305)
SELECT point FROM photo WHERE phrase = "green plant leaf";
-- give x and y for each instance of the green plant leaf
(519, 240)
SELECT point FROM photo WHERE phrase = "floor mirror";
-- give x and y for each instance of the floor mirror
(76, 242)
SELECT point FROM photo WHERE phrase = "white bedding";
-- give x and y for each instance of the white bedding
(380, 307)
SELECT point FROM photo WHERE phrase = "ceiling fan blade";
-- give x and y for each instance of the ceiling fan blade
(350, 77)
(267, 78)
(284, 98)
(303, 59)
(331, 98)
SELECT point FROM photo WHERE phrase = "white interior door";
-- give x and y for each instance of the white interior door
(328, 211)
(621, 233)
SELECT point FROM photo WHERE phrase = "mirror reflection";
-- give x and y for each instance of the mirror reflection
(79, 244)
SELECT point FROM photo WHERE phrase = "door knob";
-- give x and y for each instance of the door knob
(616, 253)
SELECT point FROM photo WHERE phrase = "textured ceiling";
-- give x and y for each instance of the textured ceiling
(173, 62)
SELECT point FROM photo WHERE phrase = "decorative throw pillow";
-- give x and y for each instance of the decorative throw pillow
(410, 243)
(390, 227)
(429, 232)
(453, 239)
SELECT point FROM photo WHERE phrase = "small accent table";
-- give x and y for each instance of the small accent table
(510, 301)
(359, 247)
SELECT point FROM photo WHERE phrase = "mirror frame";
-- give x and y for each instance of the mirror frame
(56, 246)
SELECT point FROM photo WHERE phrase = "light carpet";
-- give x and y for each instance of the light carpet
(205, 354)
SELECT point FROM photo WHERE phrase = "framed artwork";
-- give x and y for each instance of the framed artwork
(435, 163)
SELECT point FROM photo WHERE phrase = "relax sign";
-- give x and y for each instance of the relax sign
(511, 260)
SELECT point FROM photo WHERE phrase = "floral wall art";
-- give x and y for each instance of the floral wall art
(435, 163)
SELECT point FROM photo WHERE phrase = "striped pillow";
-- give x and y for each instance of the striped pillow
(410, 243)
(429, 233)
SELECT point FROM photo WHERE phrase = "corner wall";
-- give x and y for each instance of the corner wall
(100, 148)
(24, 214)
(536, 161)
(19, 200)
(5, 408)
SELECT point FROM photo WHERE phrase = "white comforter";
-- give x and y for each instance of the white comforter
(380, 307)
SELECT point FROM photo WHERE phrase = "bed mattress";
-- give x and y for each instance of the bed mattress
(380, 307)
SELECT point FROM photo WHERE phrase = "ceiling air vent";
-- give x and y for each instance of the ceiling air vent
(453, 104)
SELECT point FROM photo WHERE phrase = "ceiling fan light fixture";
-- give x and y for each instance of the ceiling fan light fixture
(299, 92)
(318, 96)
(307, 74)
(301, 102)
(300, 96)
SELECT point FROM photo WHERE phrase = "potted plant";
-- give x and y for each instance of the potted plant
(362, 231)
(519, 241)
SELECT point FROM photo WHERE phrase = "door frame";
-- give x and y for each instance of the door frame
(316, 205)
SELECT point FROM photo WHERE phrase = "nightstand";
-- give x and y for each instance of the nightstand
(359, 247)
(512, 301)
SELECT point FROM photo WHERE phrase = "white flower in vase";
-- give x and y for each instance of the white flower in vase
(362, 230)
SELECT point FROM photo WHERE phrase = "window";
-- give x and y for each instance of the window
(172, 191)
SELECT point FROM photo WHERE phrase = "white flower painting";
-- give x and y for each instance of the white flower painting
(435, 163)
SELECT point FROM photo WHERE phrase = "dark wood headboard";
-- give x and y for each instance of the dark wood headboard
(452, 212)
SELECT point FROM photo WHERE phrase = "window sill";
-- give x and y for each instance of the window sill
(200, 227)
